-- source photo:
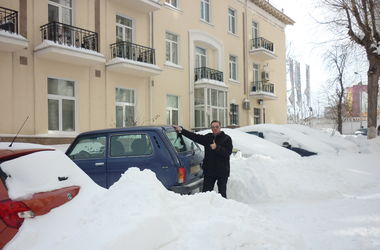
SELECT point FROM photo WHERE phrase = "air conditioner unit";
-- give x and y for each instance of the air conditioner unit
(246, 104)
(265, 76)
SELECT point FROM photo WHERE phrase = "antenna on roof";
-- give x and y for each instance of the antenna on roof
(10, 145)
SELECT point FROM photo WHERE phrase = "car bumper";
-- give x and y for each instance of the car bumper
(189, 188)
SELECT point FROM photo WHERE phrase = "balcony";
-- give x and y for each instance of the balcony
(10, 40)
(208, 74)
(262, 49)
(69, 44)
(134, 59)
(205, 76)
(144, 6)
(263, 90)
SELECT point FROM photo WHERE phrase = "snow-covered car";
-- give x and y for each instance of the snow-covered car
(361, 131)
(301, 138)
(14, 210)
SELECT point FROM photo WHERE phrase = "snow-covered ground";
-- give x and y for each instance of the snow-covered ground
(277, 200)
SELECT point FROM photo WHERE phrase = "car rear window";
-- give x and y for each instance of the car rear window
(180, 143)
(130, 145)
(89, 148)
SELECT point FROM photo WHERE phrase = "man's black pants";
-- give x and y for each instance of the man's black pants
(209, 183)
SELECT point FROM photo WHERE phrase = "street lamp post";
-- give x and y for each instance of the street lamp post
(360, 97)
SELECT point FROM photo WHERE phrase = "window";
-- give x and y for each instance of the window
(172, 109)
(233, 68)
(200, 57)
(171, 48)
(60, 11)
(255, 34)
(234, 114)
(256, 75)
(124, 29)
(125, 107)
(173, 3)
(232, 21)
(130, 145)
(210, 104)
(180, 143)
(256, 116)
(61, 105)
(205, 10)
(89, 148)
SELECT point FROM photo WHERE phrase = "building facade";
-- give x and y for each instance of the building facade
(77, 65)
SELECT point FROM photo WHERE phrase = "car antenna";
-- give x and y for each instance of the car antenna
(10, 145)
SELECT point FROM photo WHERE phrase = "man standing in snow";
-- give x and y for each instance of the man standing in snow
(216, 164)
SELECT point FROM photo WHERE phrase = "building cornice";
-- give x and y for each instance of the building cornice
(269, 8)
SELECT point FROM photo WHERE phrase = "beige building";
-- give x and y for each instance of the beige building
(78, 65)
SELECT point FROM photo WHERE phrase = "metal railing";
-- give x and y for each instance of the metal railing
(133, 52)
(9, 20)
(69, 35)
(262, 43)
(261, 86)
(207, 73)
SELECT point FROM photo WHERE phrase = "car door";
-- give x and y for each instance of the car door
(142, 150)
(89, 153)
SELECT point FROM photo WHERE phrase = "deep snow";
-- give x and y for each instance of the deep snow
(277, 200)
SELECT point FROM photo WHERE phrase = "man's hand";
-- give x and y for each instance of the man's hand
(177, 128)
(213, 145)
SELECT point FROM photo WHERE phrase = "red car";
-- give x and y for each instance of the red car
(13, 212)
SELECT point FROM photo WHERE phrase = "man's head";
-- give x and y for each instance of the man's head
(215, 127)
(286, 144)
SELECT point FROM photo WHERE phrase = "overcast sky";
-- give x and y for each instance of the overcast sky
(305, 38)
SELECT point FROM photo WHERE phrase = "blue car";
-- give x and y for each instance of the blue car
(106, 154)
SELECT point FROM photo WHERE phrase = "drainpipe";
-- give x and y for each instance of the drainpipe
(245, 57)
(150, 80)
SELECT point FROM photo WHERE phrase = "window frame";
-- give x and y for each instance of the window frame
(204, 111)
(235, 65)
(171, 42)
(169, 118)
(255, 30)
(232, 21)
(60, 13)
(200, 57)
(234, 114)
(203, 4)
(124, 105)
(125, 27)
(256, 72)
(60, 99)
(170, 3)
(257, 116)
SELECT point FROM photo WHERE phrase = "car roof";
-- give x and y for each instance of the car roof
(9, 154)
(126, 129)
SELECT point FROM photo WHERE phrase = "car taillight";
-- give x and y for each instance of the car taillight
(14, 212)
(181, 175)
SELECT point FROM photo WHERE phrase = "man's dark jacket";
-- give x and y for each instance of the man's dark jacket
(216, 162)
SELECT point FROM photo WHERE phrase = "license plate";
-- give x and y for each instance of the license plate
(195, 169)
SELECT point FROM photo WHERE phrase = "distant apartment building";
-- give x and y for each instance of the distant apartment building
(357, 98)
(78, 65)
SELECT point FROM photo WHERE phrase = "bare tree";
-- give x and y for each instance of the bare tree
(360, 20)
(337, 58)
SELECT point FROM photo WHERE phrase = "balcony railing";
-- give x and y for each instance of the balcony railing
(8, 20)
(207, 73)
(261, 86)
(261, 42)
(133, 52)
(69, 35)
